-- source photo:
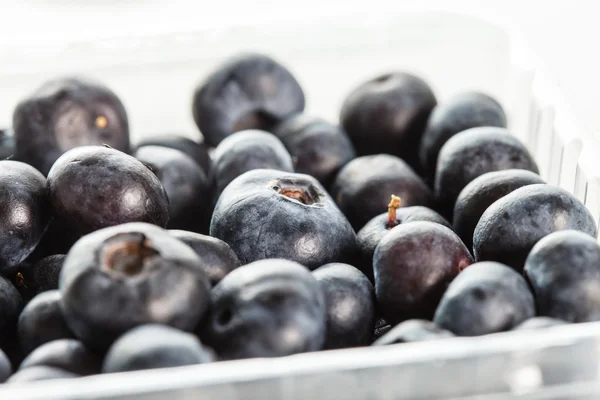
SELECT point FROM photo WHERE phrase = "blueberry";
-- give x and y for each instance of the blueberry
(413, 265)
(563, 269)
(41, 276)
(155, 346)
(5, 367)
(350, 305)
(67, 113)
(217, 258)
(472, 153)
(485, 298)
(120, 277)
(93, 187)
(41, 321)
(511, 226)
(363, 187)
(267, 308)
(249, 91)
(413, 330)
(7, 144)
(461, 112)
(39, 373)
(318, 148)
(197, 151)
(66, 354)
(24, 212)
(186, 186)
(539, 323)
(11, 304)
(245, 151)
(371, 234)
(388, 114)
(273, 214)
(481, 192)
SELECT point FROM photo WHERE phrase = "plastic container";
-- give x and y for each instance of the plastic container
(155, 76)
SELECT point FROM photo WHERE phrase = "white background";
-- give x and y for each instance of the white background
(564, 33)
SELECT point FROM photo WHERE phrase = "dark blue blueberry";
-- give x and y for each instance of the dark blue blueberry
(414, 263)
(5, 367)
(184, 182)
(472, 153)
(249, 91)
(481, 192)
(11, 304)
(67, 354)
(217, 258)
(24, 212)
(563, 269)
(459, 113)
(155, 346)
(41, 276)
(245, 151)
(93, 187)
(363, 187)
(39, 373)
(318, 148)
(41, 321)
(388, 114)
(511, 226)
(7, 144)
(413, 330)
(371, 234)
(67, 113)
(133, 274)
(198, 151)
(487, 297)
(268, 308)
(273, 214)
(350, 304)
(539, 323)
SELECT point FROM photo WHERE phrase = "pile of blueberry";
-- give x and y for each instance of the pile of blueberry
(280, 232)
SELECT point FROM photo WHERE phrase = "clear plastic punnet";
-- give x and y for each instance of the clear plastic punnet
(155, 76)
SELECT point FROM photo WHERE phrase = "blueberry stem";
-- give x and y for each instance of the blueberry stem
(392, 206)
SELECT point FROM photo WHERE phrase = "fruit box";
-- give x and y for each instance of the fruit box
(155, 77)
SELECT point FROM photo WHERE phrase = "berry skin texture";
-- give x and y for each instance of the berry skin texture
(363, 187)
(414, 264)
(155, 346)
(472, 153)
(481, 193)
(487, 297)
(350, 301)
(273, 214)
(248, 91)
(217, 258)
(318, 148)
(245, 151)
(388, 114)
(42, 321)
(11, 304)
(133, 274)
(66, 354)
(66, 113)
(187, 187)
(563, 269)
(39, 373)
(24, 210)
(268, 308)
(371, 234)
(413, 330)
(94, 187)
(5, 367)
(461, 112)
(511, 226)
